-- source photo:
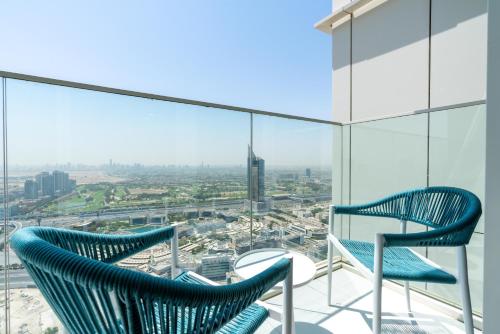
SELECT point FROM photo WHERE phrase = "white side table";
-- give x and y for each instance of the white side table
(256, 261)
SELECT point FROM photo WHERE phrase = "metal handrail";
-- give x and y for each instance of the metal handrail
(418, 112)
(118, 91)
(104, 89)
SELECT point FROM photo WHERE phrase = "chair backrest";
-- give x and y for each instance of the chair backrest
(454, 209)
(90, 295)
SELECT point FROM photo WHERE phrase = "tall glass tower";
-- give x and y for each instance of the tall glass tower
(255, 177)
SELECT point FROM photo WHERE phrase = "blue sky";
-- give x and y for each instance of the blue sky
(260, 54)
(52, 125)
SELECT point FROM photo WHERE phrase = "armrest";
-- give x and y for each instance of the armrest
(445, 236)
(107, 248)
(391, 207)
(274, 312)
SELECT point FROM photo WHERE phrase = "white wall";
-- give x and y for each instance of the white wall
(491, 208)
(412, 55)
(341, 84)
(389, 59)
(394, 48)
(458, 57)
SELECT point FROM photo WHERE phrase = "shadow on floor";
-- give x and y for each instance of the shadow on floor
(402, 324)
(304, 328)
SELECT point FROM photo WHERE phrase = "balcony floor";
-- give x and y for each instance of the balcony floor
(353, 295)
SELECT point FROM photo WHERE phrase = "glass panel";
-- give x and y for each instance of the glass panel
(296, 160)
(457, 158)
(116, 164)
(338, 194)
(457, 150)
(387, 156)
(447, 258)
(346, 179)
(4, 260)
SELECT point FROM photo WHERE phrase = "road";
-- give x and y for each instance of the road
(18, 279)
(124, 213)
(17, 226)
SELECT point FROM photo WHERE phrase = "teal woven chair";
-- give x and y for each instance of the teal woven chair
(74, 272)
(451, 214)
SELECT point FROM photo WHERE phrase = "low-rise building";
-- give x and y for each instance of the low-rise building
(215, 267)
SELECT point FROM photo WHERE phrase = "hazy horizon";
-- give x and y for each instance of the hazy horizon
(53, 125)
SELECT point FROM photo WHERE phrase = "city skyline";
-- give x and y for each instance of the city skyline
(118, 165)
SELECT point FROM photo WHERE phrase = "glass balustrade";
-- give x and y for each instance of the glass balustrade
(457, 158)
(237, 180)
(445, 147)
(292, 161)
(110, 163)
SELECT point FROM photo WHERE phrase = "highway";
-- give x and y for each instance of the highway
(17, 226)
(124, 213)
(18, 279)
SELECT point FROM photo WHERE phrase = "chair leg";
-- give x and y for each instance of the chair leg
(331, 221)
(330, 269)
(463, 278)
(407, 293)
(288, 321)
(407, 284)
(377, 284)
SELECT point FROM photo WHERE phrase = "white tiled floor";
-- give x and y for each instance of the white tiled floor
(353, 295)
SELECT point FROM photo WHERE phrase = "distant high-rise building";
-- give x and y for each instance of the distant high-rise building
(30, 189)
(255, 177)
(45, 183)
(56, 183)
(308, 173)
(61, 181)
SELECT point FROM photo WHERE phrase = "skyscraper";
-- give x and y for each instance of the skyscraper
(308, 173)
(255, 177)
(30, 189)
(45, 183)
(61, 181)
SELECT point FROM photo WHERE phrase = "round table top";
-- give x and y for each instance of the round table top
(256, 261)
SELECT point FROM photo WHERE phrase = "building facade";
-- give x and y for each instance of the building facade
(215, 267)
(45, 183)
(396, 58)
(30, 189)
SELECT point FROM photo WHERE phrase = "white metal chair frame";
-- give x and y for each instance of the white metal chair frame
(377, 275)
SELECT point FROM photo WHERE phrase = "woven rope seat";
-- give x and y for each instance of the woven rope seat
(246, 322)
(400, 263)
(75, 274)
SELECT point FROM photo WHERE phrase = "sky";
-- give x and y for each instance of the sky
(262, 54)
(54, 125)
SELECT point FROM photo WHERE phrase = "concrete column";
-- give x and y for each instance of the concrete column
(491, 206)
